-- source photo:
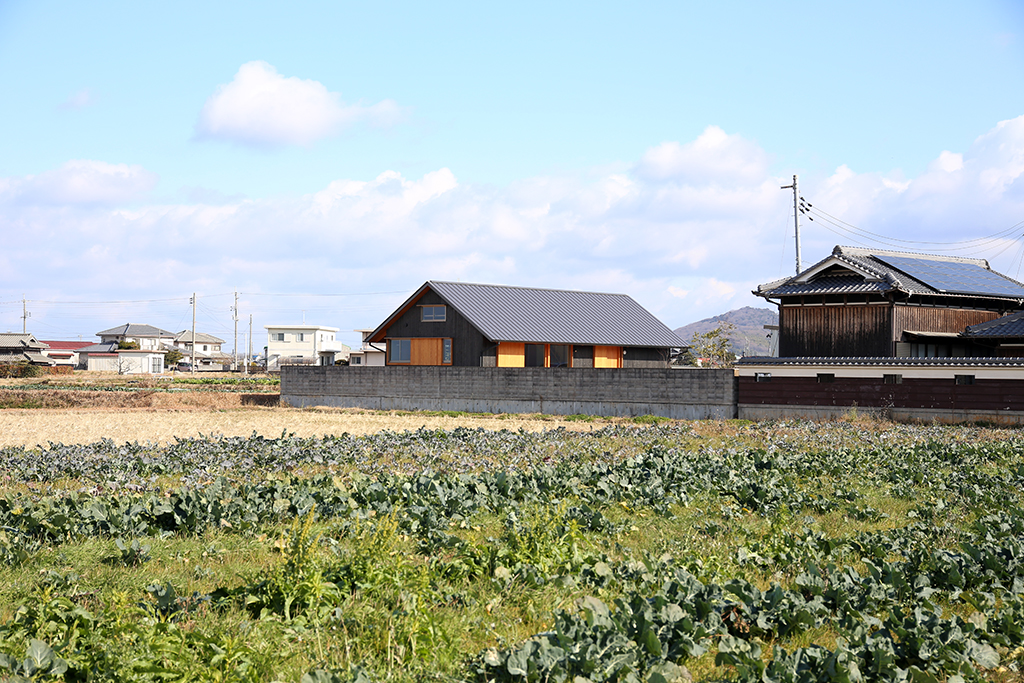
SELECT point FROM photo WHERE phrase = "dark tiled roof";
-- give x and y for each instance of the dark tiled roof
(963, 276)
(835, 284)
(20, 342)
(551, 316)
(1008, 326)
(135, 330)
(907, 362)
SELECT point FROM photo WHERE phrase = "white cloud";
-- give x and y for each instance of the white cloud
(262, 108)
(79, 100)
(81, 182)
(687, 245)
(714, 157)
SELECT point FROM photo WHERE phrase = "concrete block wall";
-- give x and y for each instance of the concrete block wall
(675, 393)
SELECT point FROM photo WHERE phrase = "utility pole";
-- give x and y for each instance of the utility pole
(234, 316)
(25, 315)
(193, 357)
(796, 221)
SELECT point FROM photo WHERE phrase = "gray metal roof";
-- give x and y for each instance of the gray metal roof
(885, 277)
(135, 330)
(102, 347)
(1008, 326)
(201, 338)
(551, 316)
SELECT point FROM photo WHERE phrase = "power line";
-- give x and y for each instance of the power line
(849, 231)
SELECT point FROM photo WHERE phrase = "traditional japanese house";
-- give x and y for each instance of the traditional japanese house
(462, 324)
(884, 304)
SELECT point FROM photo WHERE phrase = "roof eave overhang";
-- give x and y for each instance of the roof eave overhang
(814, 270)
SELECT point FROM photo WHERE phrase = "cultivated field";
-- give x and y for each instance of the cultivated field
(112, 407)
(779, 552)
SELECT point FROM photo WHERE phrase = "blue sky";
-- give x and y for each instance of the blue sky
(349, 151)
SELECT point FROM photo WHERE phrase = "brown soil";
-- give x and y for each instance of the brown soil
(88, 416)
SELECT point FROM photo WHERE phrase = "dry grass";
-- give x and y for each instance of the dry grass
(192, 417)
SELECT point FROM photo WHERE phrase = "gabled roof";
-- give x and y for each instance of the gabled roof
(550, 316)
(1007, 326)
(201, 338)
(135, 330)
(20, 342)
(855, 270)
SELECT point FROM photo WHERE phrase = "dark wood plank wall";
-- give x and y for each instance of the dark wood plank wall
(943, 393)
(467, 343)
(835, 331)
(935, 319)
(644, 357)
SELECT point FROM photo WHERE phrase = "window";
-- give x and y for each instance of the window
(762, 377)
(206, 347)
(279, 336)
(401, 350)
(892, 379)
(826, 377)
(156, 364)
(446, 352)
(357, 360)
(299, 336)
(964, 379)
(433, 314)
(534, 355)
(559, 356)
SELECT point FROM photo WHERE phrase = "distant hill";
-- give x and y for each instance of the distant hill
(748, 339)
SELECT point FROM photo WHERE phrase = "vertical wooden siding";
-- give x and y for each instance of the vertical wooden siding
(425, 352)
(930, 319)
(607, 356)
(467, 343)
(835, 331)
(511, 355)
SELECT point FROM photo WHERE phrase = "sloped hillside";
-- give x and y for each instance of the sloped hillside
(748, 339)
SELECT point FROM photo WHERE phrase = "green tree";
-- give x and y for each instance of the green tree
(712, 348)
(172, 357)
(127, 344)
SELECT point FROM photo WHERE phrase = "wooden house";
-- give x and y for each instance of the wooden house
(885, 304)
(23, 348)
(462, 324)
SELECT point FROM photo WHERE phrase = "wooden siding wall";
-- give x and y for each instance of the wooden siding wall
(607, 356)
(835, 331)
(467, 343)
(426, 352)
(511, 355)
(931, 319)
(936, 394)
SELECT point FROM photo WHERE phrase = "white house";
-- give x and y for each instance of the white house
(367, 354)
(208, 355)
(303, 345)
(147, 336)
(106, 357)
